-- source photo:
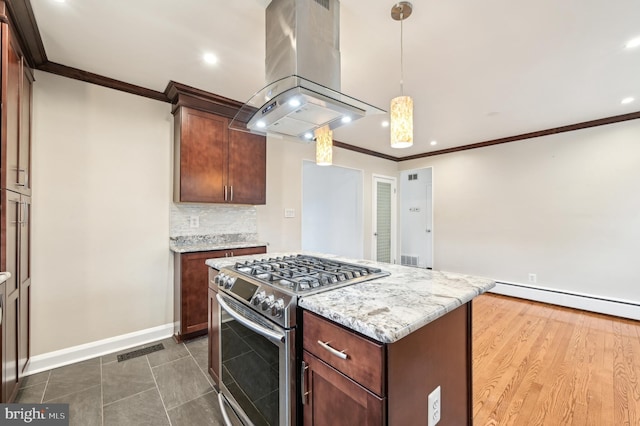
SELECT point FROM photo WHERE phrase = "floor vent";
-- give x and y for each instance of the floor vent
(140, 352)
(409, 260)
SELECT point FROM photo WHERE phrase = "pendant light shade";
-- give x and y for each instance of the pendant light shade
(401, 116)
(324, 146)
(401, 122)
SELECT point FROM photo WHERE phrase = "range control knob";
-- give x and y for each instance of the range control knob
(219, 279)
(258, 298)
(268, 302)
(229, 282)
(277, 309)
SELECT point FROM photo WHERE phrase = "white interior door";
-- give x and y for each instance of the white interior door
(416, 218)
(384, 219)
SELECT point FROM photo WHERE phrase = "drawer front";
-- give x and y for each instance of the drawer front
(358, 358)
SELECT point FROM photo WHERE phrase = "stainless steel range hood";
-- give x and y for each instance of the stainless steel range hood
(303, 72)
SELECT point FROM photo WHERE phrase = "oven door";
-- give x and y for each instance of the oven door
(256, 367)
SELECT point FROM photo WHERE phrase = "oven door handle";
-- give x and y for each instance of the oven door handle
(263, 331)
(223, 410)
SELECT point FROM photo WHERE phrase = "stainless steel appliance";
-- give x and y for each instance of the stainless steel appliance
(258, 302)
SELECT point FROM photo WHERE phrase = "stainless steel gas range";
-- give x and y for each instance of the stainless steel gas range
(258, 311)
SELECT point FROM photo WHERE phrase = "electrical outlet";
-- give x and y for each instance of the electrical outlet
(434, 410)
(533, 278)
(194, 221)
(289, 213)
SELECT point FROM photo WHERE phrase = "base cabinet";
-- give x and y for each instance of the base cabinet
(15, 258)
(332, 398)
(349, 379)
(190, 289)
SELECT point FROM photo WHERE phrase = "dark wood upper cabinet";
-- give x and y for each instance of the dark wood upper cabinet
(247, 167)
(214, 164)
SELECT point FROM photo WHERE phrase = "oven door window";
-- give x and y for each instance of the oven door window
(251, 371)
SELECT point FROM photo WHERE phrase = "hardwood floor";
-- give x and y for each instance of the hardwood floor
(539, 364)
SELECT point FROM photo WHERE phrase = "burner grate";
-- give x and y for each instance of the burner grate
(305, 273)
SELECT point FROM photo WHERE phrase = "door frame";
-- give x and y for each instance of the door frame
(374, 214)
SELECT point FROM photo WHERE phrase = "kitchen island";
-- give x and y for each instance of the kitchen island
(373, 352)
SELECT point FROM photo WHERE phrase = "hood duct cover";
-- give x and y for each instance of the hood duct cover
(303, 71)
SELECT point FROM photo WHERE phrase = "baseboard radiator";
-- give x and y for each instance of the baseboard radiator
(587, 302)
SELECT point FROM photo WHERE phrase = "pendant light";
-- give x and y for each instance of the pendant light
(401, 122)
(324, 146)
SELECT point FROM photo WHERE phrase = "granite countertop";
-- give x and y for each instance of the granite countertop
(196, 243)
(388, 308)
(4, 276)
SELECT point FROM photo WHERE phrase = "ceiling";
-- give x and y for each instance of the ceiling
(477, 71)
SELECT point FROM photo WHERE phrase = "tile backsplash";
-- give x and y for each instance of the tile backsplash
(214, 219)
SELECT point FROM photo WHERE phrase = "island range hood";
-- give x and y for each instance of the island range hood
(303, 72)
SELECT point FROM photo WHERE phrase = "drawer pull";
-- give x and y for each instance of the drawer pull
(339, 354)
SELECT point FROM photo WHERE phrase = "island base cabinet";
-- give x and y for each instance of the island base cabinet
(437, 354)
(334, 399)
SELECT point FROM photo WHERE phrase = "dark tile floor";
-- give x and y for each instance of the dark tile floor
(168, 387)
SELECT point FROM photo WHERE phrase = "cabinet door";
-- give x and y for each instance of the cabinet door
(24, 145)
(13, 177)
(193, 292)
(10, 334)
(10, 262)
(24, 277)
(247, 168)
(334, 399)
(202, 157)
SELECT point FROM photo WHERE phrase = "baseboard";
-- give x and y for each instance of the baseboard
(609, 306)
(86, 351)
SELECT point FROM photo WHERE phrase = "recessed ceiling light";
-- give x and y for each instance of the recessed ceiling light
(261, 124)
(634, 42)
(59, 1)
(210, 58)
(627, 100)
(308, 135)
(385, 123)
(294, 102)
(346, 119)
(434, 143)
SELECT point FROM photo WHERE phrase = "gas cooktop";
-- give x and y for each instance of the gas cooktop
(301, 274)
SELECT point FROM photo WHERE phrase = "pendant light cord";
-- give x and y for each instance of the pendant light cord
(401, 54)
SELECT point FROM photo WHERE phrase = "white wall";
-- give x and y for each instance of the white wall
(332, 219)
(101, 266)
(284, 190)
(565, 207)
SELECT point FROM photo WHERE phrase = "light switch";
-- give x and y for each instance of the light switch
(289, 213)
